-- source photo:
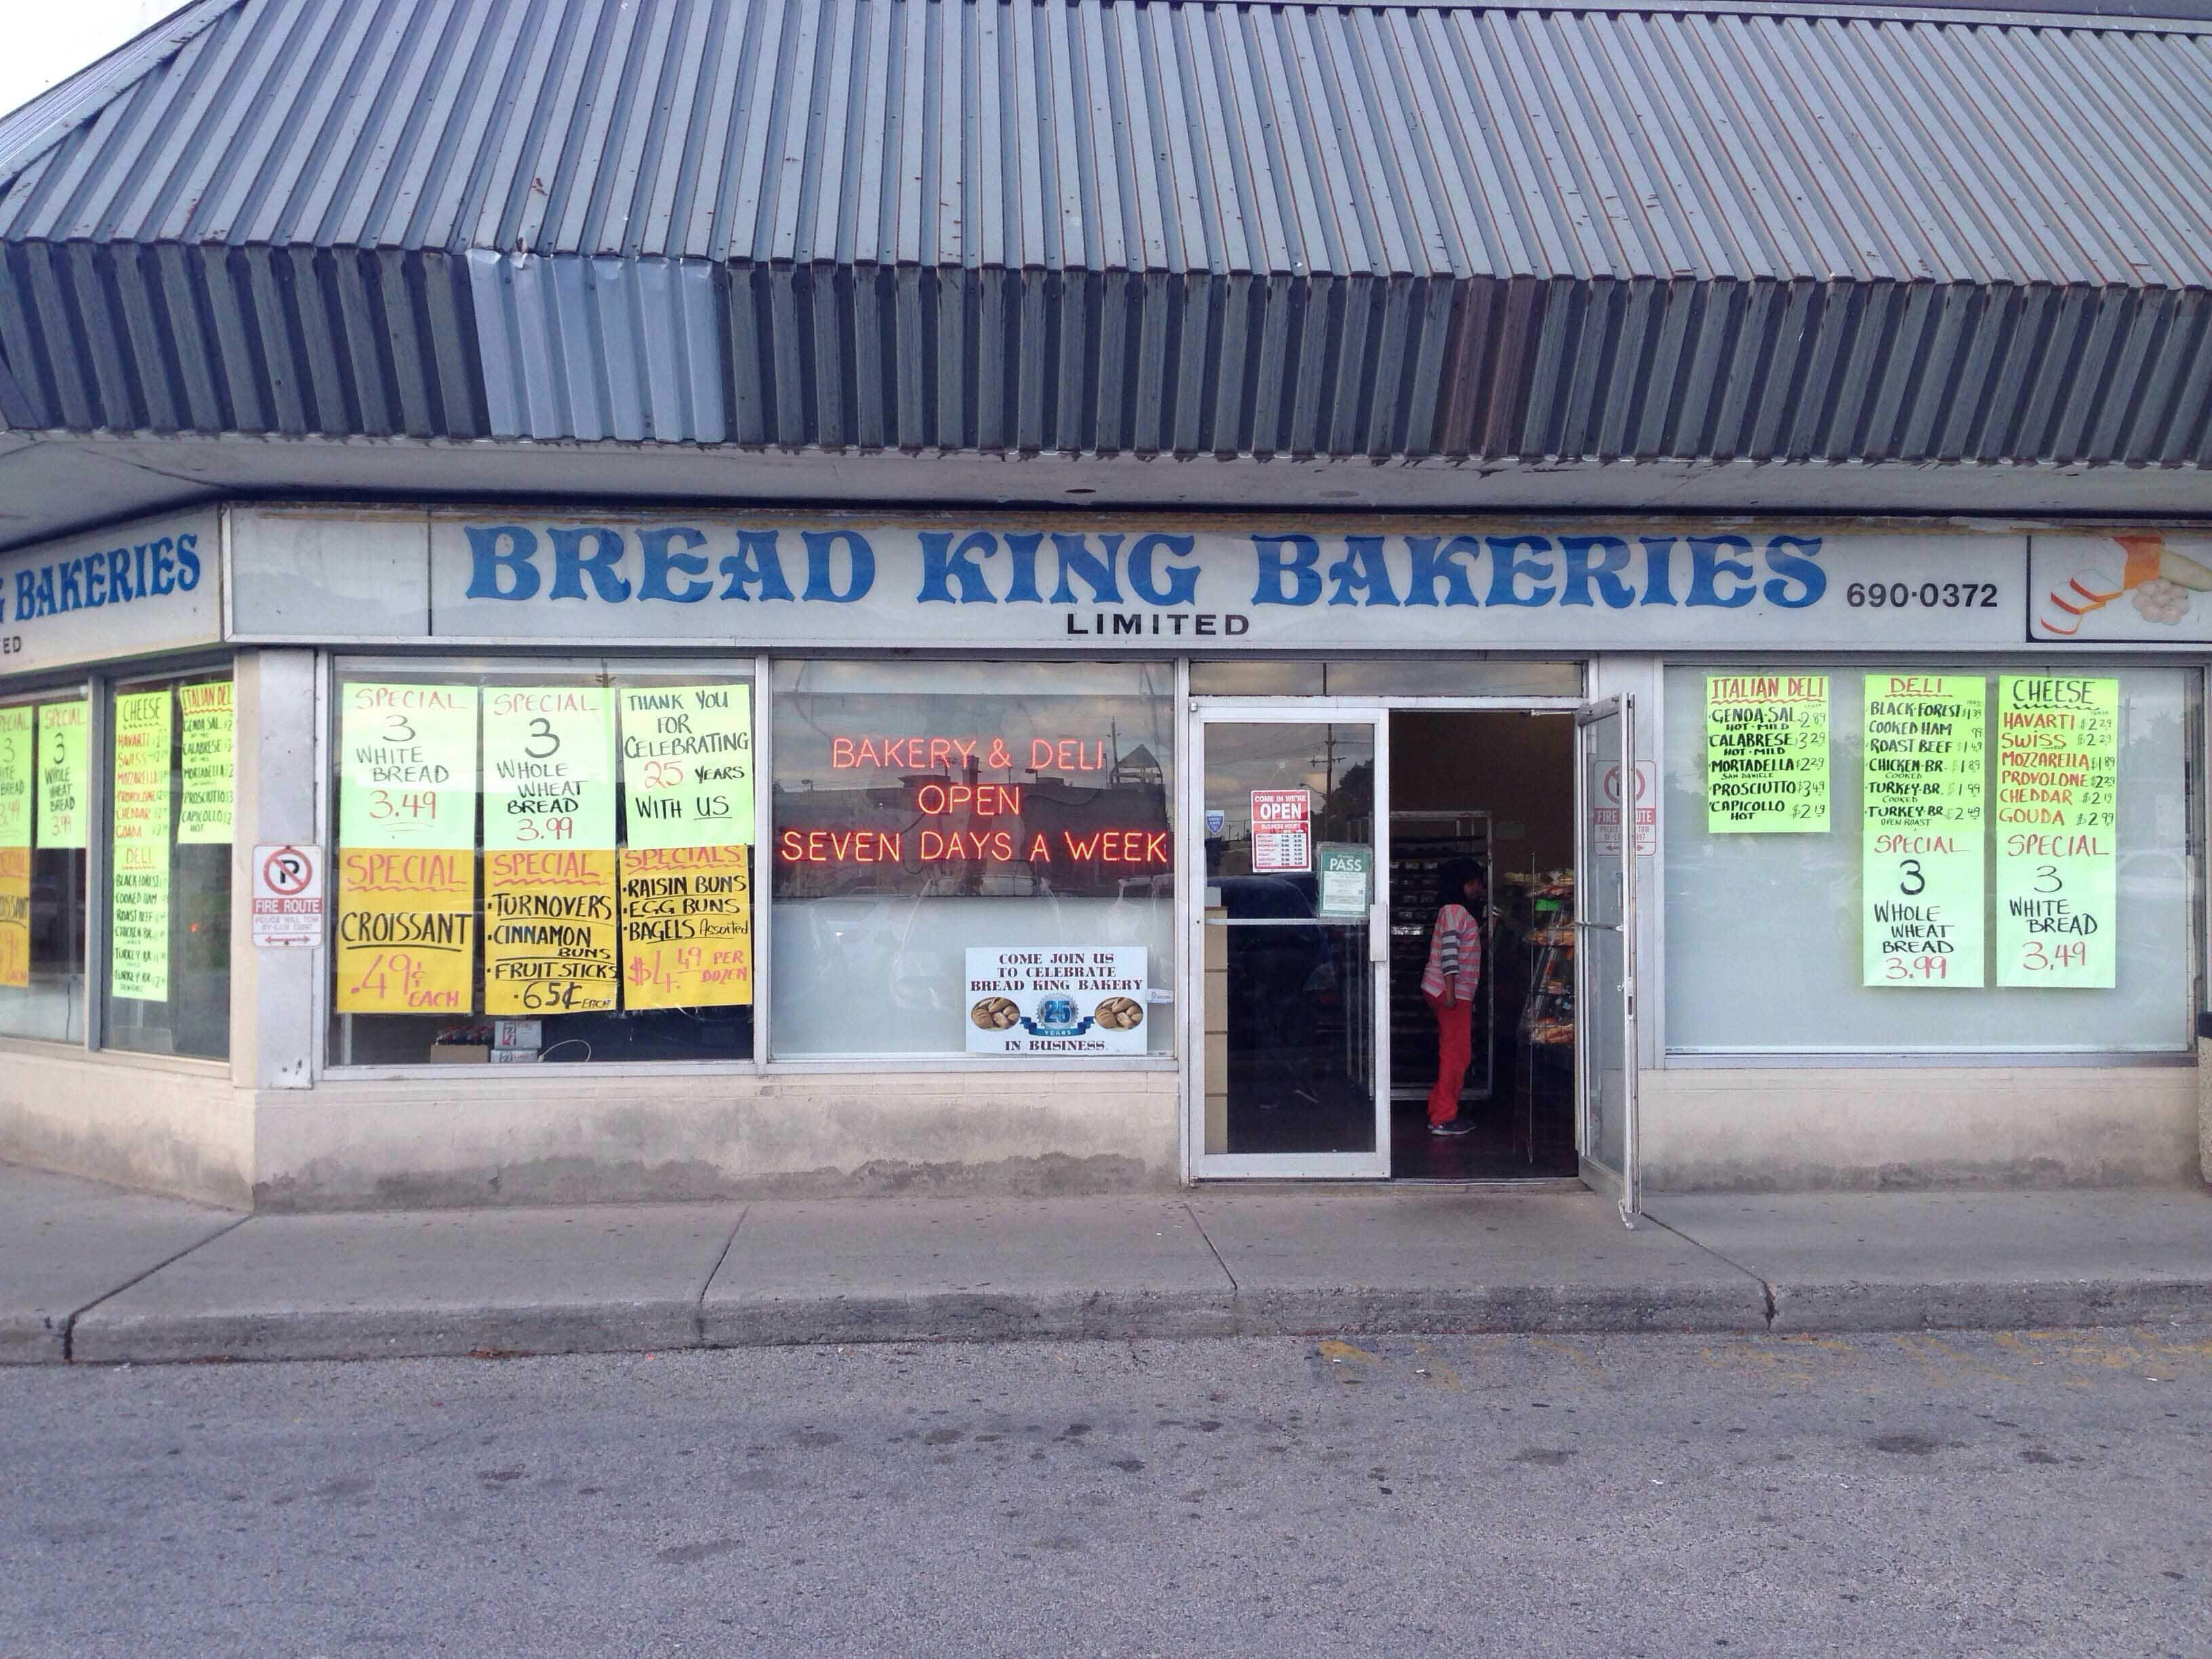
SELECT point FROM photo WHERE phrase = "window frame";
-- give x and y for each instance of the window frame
(2197, 756)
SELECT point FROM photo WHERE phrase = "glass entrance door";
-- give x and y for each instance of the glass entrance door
(1288, 941)
(1605, 951)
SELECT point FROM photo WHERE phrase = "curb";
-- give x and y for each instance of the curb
(383, 1334)
(1849, 1307)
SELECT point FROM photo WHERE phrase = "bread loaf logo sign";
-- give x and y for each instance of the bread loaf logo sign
(2131, 586)
(1045, 999)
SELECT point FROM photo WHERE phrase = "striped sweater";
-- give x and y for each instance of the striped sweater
(1455, 955)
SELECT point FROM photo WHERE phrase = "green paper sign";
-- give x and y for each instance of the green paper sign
(688, 766)
(1921, 789)
(62, 778)
(1766, 754)
(1346, 878)
(138, 939)
(549, 767)
(15, 776)
(407, 763)
(2058, 774)
(207, 762)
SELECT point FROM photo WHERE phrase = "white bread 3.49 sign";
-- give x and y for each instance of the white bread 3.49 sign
(287, 896)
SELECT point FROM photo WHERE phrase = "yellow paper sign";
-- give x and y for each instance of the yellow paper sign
(138, 933)
(549, 936)
(687, 926)
(406, 931)
(1766, 753)
(14, 916)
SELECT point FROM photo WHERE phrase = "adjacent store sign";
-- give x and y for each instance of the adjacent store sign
(1925, 756)
(287, 896)
(2057, 831)
(138, 940)
(16, 782)
(2134, 587)
(124, 592)
(1045, 999)
(407, 838)
(1282, 831)
(1766, 753)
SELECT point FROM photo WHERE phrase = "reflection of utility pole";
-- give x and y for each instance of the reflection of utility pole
(1327, 760)
(1114, 772)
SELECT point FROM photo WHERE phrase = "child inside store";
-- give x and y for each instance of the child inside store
(1449, 984)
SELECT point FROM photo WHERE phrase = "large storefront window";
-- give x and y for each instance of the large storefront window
(1885, 858)
(544, 863)
(972, 858)
(44, 813)
(168, 865)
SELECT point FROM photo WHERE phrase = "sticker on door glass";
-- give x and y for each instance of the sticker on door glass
(1282, 831)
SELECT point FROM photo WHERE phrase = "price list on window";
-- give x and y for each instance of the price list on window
(2058, 813)
(1766, 754)
(15, 788)
(1921, 789)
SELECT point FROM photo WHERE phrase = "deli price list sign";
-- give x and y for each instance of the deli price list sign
(1927, 757)
(1766, 754)
(2058, 772)
(1049, 1000)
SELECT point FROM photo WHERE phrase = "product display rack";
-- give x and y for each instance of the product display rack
(1421, 843)
(1545, 909)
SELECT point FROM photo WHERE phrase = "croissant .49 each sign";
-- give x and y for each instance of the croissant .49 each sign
(1131, 584)
(1057, 999)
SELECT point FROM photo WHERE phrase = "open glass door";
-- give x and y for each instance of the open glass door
(1289, 941)
(1605, 954)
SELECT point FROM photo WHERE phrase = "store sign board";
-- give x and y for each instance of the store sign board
(152, 585)
(1051, 999)
(1125, 585)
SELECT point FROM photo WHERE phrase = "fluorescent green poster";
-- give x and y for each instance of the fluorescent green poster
(1766, 754)
(62, 776)
(688, 766)
(207, 763)
(1921, 788)
(407, 773)
(549, 767)
(15, 776)
(2058, 774)
(138, 940)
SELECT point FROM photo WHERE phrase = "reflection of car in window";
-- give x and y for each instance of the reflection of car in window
(1285, 992)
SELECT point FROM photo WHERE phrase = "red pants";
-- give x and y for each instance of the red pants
(1455, 1048)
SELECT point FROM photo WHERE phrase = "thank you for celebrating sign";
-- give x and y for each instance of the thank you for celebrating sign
(1056, 999)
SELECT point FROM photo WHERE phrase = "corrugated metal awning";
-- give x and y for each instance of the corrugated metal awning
(1412, 230)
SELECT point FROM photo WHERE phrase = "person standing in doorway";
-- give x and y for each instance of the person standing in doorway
(1449, 984)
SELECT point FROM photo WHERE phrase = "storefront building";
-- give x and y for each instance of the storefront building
(915, 596)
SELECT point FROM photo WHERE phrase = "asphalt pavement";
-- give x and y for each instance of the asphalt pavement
(1907, 1493)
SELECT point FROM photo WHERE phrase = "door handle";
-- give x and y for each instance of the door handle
(1378, 935)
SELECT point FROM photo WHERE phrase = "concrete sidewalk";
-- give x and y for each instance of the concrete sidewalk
(94, 1275)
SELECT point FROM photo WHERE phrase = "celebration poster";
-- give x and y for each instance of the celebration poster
(688, 766)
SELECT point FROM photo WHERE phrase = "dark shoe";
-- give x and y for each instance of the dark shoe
(1452, 1126)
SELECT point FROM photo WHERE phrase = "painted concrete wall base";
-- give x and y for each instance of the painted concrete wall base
(514, 1136)
(1870, 1128)
(174, 1127)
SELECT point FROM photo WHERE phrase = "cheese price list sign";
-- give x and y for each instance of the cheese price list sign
(1766, 754)
(1921, 789)
(2058, 774)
